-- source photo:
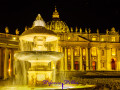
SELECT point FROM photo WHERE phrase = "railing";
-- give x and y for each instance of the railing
(8, 36)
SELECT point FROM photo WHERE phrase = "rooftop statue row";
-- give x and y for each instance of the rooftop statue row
(88, 31)
(7, 31)
(59, 26)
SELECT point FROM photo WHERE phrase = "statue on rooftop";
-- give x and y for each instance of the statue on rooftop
(71, 29)
(97, 30)
(80, 30)
(107, 31)
(76, 29)
(17, 31)
(86, 30)
(113, 30)
(89, 30)
(6, 30)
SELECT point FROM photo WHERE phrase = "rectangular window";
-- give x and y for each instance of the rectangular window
(77, 51)
(102, 52)
(84, 52)
(69, 52)
(113, 51)
(102, 39)
(93, 39)
(113, 39)
(94, 51)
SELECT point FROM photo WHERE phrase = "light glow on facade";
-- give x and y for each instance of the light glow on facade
(83, 51)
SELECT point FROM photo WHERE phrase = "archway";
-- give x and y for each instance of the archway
(113, 66)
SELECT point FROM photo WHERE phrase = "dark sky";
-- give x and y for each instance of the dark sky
(92, 14)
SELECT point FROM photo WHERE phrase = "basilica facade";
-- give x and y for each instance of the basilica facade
(83, 50)
(86, 51)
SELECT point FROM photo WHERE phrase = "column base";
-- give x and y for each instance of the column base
(81, 70)
(72, 70)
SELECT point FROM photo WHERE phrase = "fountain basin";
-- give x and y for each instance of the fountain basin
(57, 87)
(38, 56)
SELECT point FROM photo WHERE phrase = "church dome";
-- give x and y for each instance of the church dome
(56, 24)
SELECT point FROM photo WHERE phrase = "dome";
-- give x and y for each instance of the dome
(56, 24)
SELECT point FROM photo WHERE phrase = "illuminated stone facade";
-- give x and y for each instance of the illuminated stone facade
(8, 45)
(86, 51)
(83, 51)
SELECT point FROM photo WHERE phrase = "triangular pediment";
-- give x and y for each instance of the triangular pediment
(82, 38)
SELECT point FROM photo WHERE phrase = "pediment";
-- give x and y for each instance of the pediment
(83, 39)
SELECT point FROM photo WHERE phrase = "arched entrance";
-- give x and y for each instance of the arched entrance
(113, 62)
(94, 65)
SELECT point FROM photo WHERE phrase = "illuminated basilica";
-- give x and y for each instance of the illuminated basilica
(83, 50)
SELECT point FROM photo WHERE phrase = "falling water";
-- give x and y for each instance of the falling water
(29, 46)
(21, 68)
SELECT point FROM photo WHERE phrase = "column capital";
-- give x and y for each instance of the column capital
(88, 47)
(66, 47)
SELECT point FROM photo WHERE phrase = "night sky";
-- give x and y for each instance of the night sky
(92, 14)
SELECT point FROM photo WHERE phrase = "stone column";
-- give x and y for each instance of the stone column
(12, 59)
(98, 62)
(108, 55)
(0, 64)
(62, 62)
(87, 58)
(118, 59)
(81, 62)
(6, 64)
(66, 59)
(72, 59)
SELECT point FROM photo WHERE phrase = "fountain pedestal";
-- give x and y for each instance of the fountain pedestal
(35, 78)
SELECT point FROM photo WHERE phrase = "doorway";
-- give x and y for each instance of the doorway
(94, 65)
(113, 66)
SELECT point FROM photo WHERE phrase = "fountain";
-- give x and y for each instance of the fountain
(38, 48)
(36, 60)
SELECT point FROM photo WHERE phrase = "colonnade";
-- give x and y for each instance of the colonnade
(64, 60)
(88, 59)
(6, 62)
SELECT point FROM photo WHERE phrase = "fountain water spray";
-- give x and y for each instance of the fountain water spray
(39, 51)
